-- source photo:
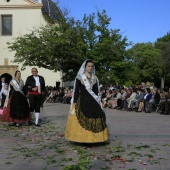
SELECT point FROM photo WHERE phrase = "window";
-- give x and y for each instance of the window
(6, 24)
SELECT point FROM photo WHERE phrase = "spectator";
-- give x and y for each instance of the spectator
(119, 101)
(107, 98)
(117, 86)
(67, 97)
(125, 100)
(112, 103)
(131, 99)
(148, 100)
(138, 99)
(145, 102)
(103, 94)
(59, 98)
(157, 96)
(56, 93)
(165, 106)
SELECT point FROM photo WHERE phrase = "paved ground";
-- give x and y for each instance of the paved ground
(138, 141)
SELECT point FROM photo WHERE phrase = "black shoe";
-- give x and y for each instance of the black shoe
(30, 123)
(38, 125)
(162, 112)
(166, 113)
(136, 109)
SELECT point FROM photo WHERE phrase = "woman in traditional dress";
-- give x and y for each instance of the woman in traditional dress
(86, 121)
(16, 108)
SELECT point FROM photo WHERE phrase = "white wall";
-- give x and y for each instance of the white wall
(24, 20)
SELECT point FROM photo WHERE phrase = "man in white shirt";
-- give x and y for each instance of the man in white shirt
(35, 85)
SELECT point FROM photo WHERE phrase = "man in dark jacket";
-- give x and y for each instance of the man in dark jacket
(35, 85)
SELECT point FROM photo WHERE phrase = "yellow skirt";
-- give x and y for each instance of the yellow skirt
(76, 133)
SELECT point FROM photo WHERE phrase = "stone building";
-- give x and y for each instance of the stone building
(17, 18)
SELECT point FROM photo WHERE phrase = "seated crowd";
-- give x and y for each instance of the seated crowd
(139, 98)
(61, 95)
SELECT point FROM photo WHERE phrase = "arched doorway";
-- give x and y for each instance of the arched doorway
(7, 76)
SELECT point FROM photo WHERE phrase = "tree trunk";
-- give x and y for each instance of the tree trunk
(162, 82)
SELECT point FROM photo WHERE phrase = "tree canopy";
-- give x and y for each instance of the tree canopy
(144, 62)
(163, 44)
(63, 47)
(150, 61)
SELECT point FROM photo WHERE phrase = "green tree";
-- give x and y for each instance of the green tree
(143, 58)
(52, 47)
(163, 44)
(106, 47)
(66, 45)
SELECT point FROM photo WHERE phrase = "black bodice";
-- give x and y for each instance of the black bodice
(88, 110)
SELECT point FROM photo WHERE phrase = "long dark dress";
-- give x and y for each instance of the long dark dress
(88, 123)
(88, 111)
(17, 109)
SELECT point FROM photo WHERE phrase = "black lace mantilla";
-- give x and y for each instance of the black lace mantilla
(89, 113)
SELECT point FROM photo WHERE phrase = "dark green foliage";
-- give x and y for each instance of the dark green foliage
(143, 58)
(65, 46)
(163, 44)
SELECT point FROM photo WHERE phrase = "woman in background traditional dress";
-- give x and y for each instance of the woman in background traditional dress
(16, 108)
(4, 94)
(86, 121)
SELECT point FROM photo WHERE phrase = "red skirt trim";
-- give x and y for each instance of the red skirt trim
(7, 118)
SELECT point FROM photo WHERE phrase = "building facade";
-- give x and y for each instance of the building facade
(17, 18)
